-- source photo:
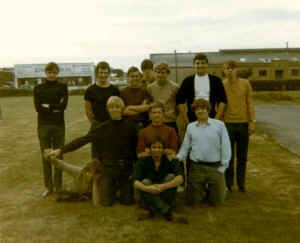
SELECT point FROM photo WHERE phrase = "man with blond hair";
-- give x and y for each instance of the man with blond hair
(115, 141)
(240, 122)
(164, 91)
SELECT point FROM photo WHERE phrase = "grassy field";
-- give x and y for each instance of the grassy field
(268, 212)
(277, 97)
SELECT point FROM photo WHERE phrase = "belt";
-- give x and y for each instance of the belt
(210, 164)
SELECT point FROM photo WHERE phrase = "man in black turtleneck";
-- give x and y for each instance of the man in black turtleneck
(50, 100)
(115, 141)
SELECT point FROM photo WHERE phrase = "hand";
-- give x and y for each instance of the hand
(153, 189)
(170, 154)
(251, 128)
(45, 105)
(161, 187)
(55, 153)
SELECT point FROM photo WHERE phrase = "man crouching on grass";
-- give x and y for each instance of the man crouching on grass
(115, 142)
(85, 180)
(157, 178)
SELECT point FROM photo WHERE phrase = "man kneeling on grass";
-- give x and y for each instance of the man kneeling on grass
(157, 178)
(85, 180)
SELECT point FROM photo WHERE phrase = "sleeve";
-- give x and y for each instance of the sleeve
(38, 102)
(221, 94)
(181, 95)
(185, 147)
(250, 105)
(87, 94)
(70, 169)
(138, 171)
(141, 144)
(62, 105)
(225, 149)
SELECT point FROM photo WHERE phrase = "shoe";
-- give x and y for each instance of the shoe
(145, 216)
(46, 193)
(229, 188)
(168, 216)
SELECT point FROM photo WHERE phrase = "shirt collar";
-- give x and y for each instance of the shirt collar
(207, 124)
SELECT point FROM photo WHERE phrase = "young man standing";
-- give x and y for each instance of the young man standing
(147, 69)
(157, 178)
(96, 97)
(240, 122)
(50, 100)
(207, 143)
(115, 141)
(201, 85)
(136, 99)
(164, 91)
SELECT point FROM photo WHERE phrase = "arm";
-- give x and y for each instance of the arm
(225, 149)
(39, 106)
(62, 105)
(185, 147)
(70, 169)
(250, 109)
(89, 110)
(220, 111)
(150, 189)
(177, 181)
(141, 149)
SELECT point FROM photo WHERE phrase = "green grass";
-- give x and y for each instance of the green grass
(268, 212)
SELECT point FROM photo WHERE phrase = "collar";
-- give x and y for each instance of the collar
(209, 121)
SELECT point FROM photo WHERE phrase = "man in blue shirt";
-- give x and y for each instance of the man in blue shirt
(208, 145)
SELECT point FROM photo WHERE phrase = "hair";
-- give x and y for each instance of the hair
(132, 70)
(146, 64)
(155, 105)
(162, 66)
(230, 63)
(157, 139)
(201, 103)
(200, 56)
(102, 65)
(115, 100)
(51, 66)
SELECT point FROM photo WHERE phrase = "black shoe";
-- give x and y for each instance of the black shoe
(229, 188)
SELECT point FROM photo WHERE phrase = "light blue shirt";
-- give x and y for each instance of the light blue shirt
(209, 143)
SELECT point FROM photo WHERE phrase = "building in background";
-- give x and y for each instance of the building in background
(269, 64)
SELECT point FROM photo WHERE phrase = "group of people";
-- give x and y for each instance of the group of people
(134, 136)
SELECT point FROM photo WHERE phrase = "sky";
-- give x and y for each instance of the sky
(124, 32)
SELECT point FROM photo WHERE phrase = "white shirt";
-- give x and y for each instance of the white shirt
(202, 88)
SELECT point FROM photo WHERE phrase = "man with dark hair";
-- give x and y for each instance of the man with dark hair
(96, 97)
(137, 100)
(157, 178)
(201, 85)
(50, 100)
(115, 141)
(156, 129)
(147, 69)
(240, 122)
(164, 91)
(207, 143)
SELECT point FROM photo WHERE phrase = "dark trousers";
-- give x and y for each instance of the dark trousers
(114, 179)
(239, 139)
(51, 136)
(163, 202)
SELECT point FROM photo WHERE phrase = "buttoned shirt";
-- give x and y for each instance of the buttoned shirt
(208, 143)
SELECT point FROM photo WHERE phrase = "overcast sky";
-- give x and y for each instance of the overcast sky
(124, 32)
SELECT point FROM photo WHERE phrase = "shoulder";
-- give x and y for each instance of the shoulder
(91, 88)
(216, 122)
(173, 85)
(191, 125)
(188, 79)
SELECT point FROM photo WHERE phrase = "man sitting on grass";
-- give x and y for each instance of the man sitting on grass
(157, 178)
(85, 180)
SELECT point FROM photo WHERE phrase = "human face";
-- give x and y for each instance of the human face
(157, 150)
(157, 116)
(134, 79)
(201, 114)
(201, 67)
(103, 74)
(115, 111)
(147, 74)
(51, 74)
(230, 72)
(161, 76)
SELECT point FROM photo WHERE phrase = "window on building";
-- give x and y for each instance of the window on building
(278, 74)
(262, 73)
(295, 72)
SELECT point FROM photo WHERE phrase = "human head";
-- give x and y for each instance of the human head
(147, 69)
(200, 63)
(134, 77)
(102, 71)
(162, 72)
(201, 107)
(115, 106)
(157, 147)
(51, 71)
(230, 69)
(156, 113)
